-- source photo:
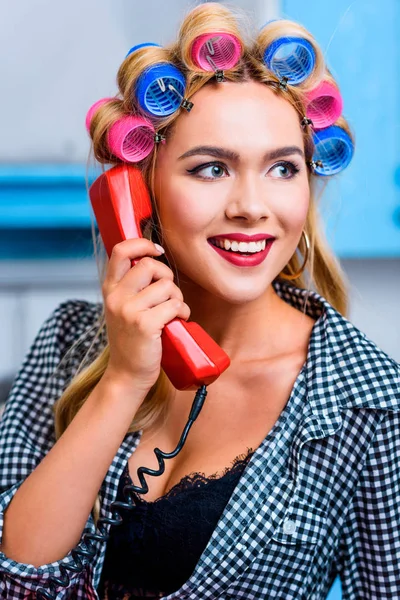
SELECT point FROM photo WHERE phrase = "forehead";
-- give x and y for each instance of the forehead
(246, 115)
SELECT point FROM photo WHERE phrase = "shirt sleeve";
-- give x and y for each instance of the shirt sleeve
(369, 552)
(27, 434)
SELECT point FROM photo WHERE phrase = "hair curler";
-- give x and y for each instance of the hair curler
(131, 138)
(268, 22)
(334, 148)
(143, 45)
(160, 88)
(219, 50)
(291, 57)
(92, 110)
(324, 104)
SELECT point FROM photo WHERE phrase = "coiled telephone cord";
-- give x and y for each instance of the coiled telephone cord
(80, 556)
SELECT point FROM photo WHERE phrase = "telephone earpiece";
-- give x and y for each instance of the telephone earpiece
(121, 203)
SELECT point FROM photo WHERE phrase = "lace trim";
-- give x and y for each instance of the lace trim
(113, 591)
(195, 479)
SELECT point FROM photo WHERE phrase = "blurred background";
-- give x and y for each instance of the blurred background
(59, 58)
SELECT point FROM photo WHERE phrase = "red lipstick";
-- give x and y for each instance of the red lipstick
(244, 260)
(242, 237)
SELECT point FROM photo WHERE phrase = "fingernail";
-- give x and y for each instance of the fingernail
(160, 248)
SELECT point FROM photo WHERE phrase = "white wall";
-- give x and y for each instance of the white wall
(375, 300)
(58, 58)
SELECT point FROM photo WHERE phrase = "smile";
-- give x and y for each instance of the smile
(249, 258)
(240, 247)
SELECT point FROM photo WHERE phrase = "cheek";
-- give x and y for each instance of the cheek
(182, 213)
(291, 208)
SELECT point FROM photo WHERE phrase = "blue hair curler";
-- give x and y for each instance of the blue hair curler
(160, 89)
(292, 58)
(268, 22)
(334, 148)
(134, 48)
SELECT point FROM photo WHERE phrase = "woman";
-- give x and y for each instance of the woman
(288, 477)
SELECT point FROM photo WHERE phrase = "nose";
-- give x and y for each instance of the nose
(248, 201)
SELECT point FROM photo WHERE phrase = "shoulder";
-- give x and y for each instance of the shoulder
(69, 334)
(347, 368)
(365, 374)
(73, 318)
(74, 332)
(67, 338)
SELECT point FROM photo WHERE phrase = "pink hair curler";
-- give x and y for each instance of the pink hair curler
(92, 110)
(131, 138)
(324, 105)
(219, 50)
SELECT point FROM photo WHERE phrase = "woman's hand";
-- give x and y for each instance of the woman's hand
(138, 302)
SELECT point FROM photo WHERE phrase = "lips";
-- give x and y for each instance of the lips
(243, 260)
(242, 237)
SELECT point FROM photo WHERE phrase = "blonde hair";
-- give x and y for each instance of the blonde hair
(325, 273)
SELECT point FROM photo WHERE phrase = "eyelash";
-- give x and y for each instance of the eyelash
(292, 167)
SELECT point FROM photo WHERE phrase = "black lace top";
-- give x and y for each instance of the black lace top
(159, 543)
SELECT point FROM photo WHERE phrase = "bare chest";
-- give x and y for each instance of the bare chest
(234, 418)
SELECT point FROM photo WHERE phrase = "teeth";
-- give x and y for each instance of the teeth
(241, 247)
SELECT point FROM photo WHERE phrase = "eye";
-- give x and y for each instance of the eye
(216, 170)
(285, 170)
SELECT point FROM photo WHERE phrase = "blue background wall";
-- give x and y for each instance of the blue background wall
(361, 44)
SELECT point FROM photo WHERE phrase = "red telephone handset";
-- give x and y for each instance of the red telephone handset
(120, 201)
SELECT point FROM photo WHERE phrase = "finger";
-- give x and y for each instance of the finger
(120, 261)
(145, 272)
(157, 293)
(155, 319)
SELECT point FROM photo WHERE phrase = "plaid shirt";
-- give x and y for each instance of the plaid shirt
(320, 496)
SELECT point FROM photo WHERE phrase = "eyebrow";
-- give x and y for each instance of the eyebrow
(219, 152)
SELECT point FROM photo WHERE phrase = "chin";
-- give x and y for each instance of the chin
(240, 296)
(241, 287)
(234, 291)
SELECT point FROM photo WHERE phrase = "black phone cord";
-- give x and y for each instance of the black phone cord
(87, 554)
